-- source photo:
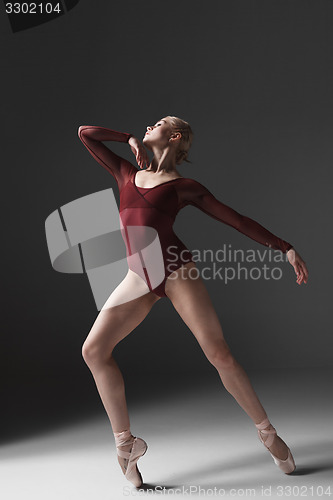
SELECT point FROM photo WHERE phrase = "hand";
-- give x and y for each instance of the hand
(138, 149)
(299, 265)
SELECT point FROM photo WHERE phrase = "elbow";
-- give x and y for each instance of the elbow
(80, 130)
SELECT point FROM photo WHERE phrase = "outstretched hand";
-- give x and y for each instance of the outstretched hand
(139, 151)
(299, 265)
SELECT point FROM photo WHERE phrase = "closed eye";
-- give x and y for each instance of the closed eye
(154, 125)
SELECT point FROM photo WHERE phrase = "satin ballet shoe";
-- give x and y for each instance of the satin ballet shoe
(288, 465)
(139, 448)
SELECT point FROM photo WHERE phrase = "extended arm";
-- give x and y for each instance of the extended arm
(92, 138)
(200, 197)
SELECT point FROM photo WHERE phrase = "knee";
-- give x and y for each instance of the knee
(93, 354)
(222, 358)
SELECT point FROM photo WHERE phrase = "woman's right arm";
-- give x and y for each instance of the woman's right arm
(92, 137)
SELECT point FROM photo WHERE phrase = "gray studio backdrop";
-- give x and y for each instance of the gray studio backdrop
(254, 79)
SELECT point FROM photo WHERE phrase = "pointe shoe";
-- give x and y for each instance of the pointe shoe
(139, 448)
(288, 465)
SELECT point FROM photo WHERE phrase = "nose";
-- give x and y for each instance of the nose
(149, 128)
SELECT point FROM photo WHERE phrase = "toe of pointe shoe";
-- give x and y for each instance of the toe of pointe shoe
(288, 465)
(138, 450)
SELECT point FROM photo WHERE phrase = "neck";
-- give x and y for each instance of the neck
(164, 161)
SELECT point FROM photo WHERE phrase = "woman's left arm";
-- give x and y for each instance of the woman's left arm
(200, 197)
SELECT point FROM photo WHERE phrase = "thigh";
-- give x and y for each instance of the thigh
(125, 309)
(189, 296)
(130, 288)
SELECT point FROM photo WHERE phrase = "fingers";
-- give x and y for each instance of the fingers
(142, 161)
(142, 157)
(299, 276)
(302, 273)
(300, 269)
(306, 274)
(139, 161)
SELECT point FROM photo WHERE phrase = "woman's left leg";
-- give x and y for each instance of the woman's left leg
(191, 300)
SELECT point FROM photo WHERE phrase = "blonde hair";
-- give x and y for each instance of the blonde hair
(179, 125)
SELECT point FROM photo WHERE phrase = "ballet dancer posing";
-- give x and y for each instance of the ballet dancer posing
(151, 198)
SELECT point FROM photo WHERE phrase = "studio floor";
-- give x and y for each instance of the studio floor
(200, 443)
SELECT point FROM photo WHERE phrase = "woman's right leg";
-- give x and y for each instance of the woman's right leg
(116, 320)
(126, 307)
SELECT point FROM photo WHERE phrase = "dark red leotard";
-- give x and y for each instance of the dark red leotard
(147, 215)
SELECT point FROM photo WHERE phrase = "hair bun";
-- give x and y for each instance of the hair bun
(182, 156)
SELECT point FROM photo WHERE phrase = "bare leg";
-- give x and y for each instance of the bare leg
(114, 322)
(191, 300)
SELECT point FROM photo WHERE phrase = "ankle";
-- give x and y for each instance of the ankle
(268, 428)
(123, 438)
(128, 445)
(264, 425)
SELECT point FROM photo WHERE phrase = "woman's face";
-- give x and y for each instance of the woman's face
(158, 134)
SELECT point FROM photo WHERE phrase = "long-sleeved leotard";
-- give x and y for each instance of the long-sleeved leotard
(147, 215)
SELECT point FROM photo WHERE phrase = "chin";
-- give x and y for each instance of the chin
(146, 143)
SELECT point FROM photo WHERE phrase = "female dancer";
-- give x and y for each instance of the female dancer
(150, 200)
